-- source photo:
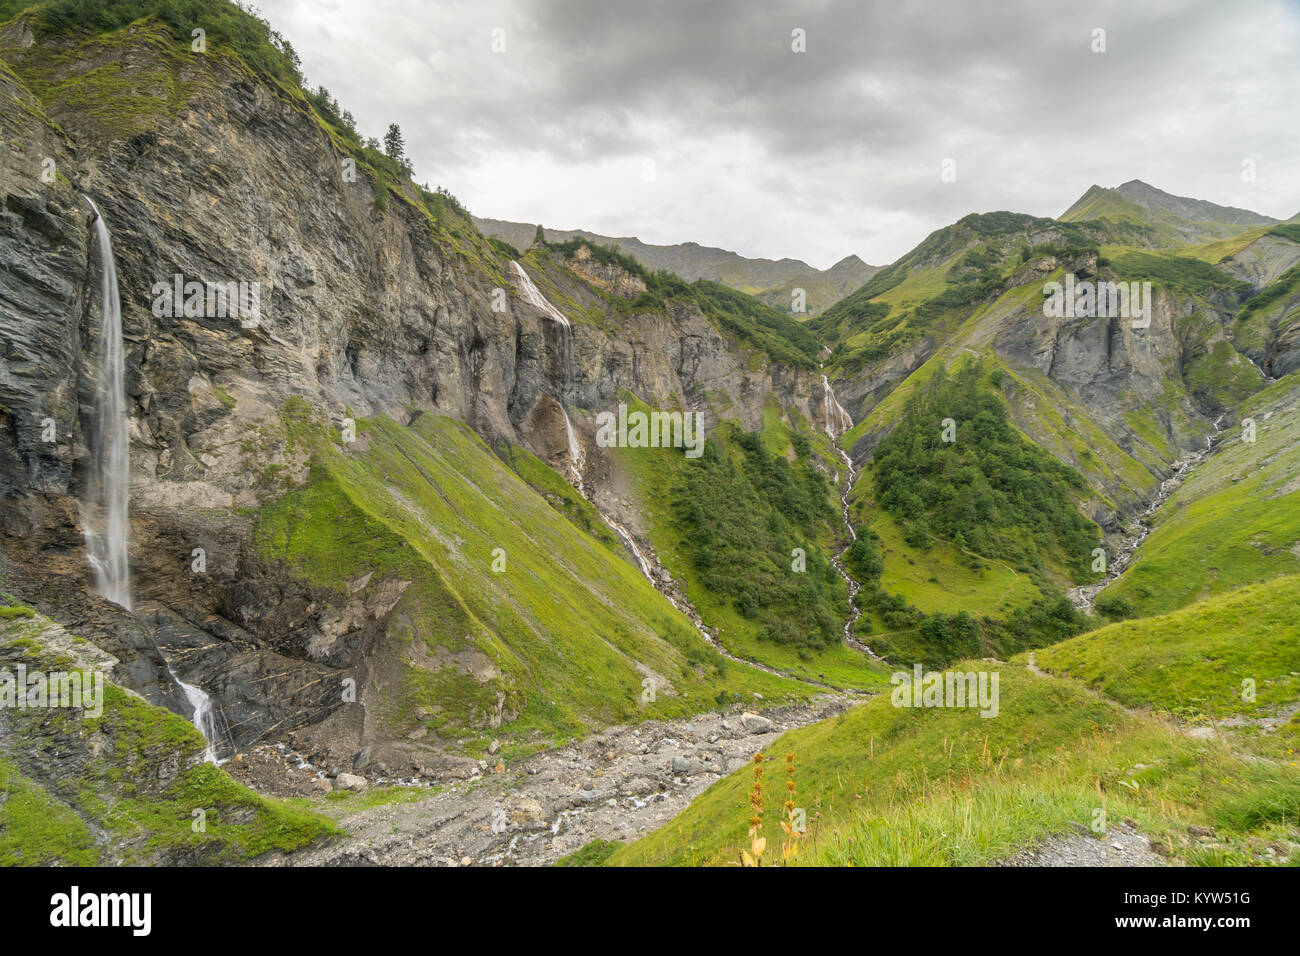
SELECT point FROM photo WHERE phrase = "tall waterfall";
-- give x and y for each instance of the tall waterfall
(106, 523)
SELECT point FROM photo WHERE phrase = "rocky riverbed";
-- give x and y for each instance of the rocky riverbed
(616, 785)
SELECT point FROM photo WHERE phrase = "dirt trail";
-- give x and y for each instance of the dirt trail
(1196, 732)
(1121, 845)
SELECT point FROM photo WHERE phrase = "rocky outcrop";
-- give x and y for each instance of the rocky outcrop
(608, 276)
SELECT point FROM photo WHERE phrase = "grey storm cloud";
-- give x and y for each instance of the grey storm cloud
(678, 121)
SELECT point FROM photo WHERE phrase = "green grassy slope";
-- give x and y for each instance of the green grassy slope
(885, 785)
(125, 785)
(1192, 663)
(557, 641)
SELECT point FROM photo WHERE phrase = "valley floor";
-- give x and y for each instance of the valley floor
(616, 785)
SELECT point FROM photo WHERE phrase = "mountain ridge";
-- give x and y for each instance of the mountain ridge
(770, 280)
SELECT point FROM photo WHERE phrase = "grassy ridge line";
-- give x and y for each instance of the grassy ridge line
(884, 785)
(1252, 633)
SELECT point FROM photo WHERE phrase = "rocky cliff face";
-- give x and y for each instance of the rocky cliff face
(369, 305)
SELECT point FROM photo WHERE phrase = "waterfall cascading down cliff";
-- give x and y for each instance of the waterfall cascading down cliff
(576, 457)
(106, 519)
(203, 717)
(533, 296)
(838, 420)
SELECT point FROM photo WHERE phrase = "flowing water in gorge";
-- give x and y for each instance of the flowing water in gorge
(1083, 597)
(838, 421)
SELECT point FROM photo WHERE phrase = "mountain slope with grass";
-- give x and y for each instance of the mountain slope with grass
(502, 619)
(1116, 400)
(1227, 666)
(1234, 521)
(1175, 220)
(748, 529)
(886, 785)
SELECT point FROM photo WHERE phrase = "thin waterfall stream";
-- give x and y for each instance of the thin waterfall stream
(838, 422)
(105, 521)
(105, 515)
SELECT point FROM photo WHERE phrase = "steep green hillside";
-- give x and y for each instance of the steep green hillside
(726, 525)
(511, 610)
(954, 467)
(1115, 406)
(973, 538)
(126, 786)
(935, 286)
(887, 785)
(1237, 518)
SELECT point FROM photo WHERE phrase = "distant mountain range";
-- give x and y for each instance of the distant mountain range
(773, 281)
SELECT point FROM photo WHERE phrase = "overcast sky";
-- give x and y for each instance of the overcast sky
(675, 121)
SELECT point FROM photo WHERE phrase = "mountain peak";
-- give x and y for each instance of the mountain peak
(1196, 210)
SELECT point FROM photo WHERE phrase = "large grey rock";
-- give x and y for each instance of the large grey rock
(350, 781)
(755, 723)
